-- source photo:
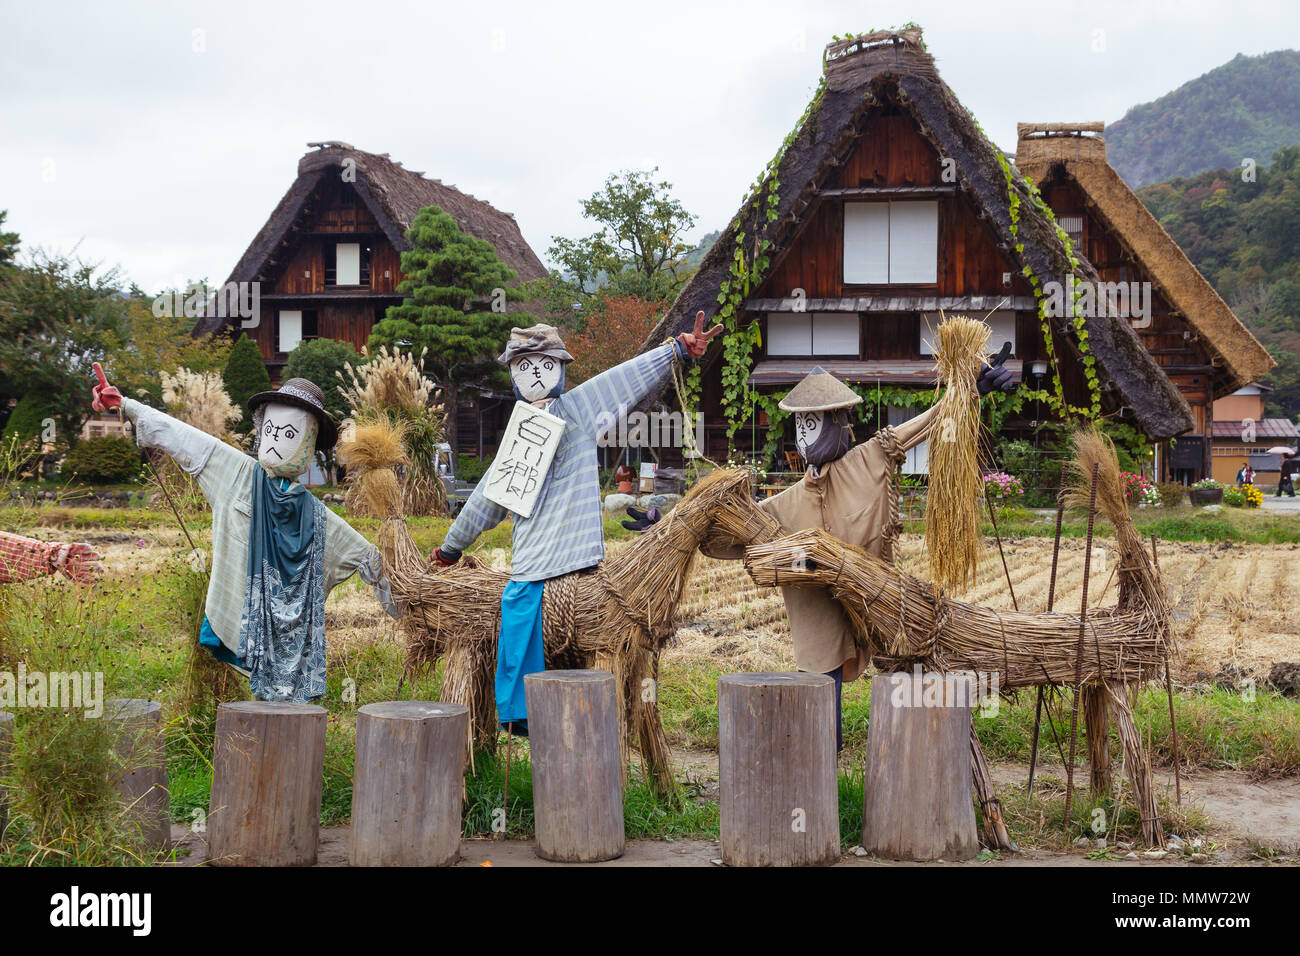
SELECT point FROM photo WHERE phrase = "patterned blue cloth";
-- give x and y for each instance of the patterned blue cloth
(282, 628)
(519, 647)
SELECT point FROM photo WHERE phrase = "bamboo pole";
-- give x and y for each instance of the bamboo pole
(1169, 694)
(1078, 654)
(1051, 598)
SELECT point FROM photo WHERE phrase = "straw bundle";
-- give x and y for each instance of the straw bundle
(952, 532)
(903, 620)
(1139, 589)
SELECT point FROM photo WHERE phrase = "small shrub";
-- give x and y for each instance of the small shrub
(471, 469)
(106, 460)
(1171, 493)
(1234, 496)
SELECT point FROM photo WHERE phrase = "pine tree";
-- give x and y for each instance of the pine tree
(244, 377)
(455, 290)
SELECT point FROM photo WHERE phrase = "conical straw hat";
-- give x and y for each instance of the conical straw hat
(819, 391)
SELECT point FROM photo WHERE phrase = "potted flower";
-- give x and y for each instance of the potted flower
(1207, 491)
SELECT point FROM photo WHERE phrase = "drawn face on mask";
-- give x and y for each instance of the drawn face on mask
(286, 440)
(808, 428)
(537, 376)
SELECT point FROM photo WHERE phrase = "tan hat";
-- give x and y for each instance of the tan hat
(535, 340)
(820, 391)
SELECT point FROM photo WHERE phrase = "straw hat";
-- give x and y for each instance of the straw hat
(302, 393)
(820, 391)
(535, 340)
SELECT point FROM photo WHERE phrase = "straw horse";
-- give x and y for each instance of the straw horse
(615, 617)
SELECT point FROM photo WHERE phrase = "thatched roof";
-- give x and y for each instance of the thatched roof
(862, 72)
(1078, 151)
(394, 195)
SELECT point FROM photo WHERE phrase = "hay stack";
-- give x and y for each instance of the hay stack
(952, 528)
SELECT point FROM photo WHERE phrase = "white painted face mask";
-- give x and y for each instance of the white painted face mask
(807, 429)
(286, 440)
(537, 376)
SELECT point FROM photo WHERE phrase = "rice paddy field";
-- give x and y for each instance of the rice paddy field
(1234, 616)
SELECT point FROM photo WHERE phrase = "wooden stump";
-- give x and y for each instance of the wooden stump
(6, 730)
(409, 783)
(266, 784)
(138, 741)
(573, 730)
(917, 789)
(778, 798)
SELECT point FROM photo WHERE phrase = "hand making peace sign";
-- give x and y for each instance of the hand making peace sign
(697, 342)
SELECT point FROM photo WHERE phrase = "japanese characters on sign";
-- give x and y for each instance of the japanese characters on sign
(519, 471)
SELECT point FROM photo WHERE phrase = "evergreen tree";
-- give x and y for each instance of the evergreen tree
(244, 377)
(455, 290)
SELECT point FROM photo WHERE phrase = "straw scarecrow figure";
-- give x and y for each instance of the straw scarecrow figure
(277, 551)
(564, 531)
(848, 492)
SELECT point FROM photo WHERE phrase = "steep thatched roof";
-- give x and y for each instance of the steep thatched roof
(1078, 151)
(394, 195)
(861, 73)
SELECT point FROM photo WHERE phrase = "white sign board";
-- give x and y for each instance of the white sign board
(519, 470)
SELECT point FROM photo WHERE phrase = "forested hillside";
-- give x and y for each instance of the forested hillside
(1247, 108)
(1245, 238)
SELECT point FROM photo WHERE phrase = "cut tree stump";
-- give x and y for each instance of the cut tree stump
(409, 783)
(138, 741)
(778, 798)
(573, 732)
(917, 787)
(6, 731)
(266, 784)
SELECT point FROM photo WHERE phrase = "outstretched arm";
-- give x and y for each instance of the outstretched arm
(478, 515)
(596, 401)
(24, 558)
(191, 448)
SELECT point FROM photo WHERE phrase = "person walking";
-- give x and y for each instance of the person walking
(1287, 479)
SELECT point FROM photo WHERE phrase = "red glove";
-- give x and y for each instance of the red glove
(105, 396)
(441, 560)
(696, 343)
(79, 562)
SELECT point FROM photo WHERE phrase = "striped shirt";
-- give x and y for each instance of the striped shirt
(225, 476)
(565, 532)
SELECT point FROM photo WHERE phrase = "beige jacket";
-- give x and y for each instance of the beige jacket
(852, 498)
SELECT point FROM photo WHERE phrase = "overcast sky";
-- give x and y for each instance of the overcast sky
(158, 137)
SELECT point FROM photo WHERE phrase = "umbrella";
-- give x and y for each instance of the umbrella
(1281, 450)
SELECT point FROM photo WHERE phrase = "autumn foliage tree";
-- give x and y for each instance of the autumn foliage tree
(615, 331)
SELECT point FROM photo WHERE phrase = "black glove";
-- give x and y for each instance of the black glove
(995, 378)
(641, 519)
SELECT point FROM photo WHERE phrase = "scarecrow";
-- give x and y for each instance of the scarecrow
(277, 551)
(24, 558)
(563, 532)
(847, 491)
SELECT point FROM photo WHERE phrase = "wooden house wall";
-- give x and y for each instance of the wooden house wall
(1169, 338)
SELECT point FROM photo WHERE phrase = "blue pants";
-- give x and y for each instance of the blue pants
(519, 647)
(838, 676)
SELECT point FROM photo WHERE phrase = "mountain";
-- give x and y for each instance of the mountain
(1247, 108)
(1245, 238)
